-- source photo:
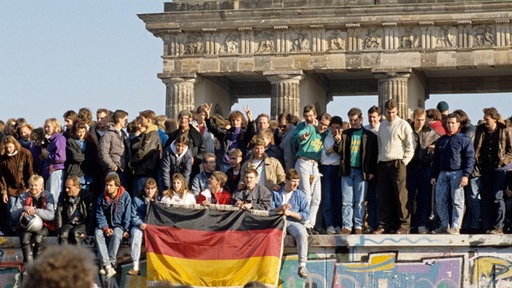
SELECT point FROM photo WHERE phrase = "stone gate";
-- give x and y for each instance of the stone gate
(300, 52)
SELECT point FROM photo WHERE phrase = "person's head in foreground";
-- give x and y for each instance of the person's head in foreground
(61, 266)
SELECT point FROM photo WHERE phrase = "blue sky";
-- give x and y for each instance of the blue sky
(60, 55)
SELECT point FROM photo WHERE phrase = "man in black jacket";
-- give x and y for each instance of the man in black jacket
(419, 171)
(195, 143)
(73, 217)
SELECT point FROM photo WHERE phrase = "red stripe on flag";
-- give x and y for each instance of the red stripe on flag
(212, 245)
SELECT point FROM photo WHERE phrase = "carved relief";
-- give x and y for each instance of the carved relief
(409, 40)
(372, 39)
(266, 42)
(193, 44)
(230, 45)
(484, 35)
(447, 37)
(335, 41)
(301, 42)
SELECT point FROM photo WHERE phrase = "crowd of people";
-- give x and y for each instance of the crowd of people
(435, 173)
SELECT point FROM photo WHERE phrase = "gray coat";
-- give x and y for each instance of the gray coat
(112, 150)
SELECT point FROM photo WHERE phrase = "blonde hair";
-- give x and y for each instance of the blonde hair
(57, 126)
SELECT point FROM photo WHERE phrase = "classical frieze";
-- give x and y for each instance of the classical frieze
(350, 37)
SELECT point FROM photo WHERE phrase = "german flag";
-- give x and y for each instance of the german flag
(208, 247)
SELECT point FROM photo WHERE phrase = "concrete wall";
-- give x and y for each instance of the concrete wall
(446, 261)
(404, 261)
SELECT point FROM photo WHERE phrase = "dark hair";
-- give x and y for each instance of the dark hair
(491, 112)
(374, 109)
(433, 114)
(464, 119)
(181, 139)
(70, 114)
(112, 176)
(454, 115)
(309, 108)
(150, 114)
(251, 170)
(390, 104)
(354, 111)
(118, 114)
(78, 124)
(292, 173)
(336, 120)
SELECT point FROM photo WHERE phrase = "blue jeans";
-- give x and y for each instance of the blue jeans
(420, 191)
(492, 185)
(300, 234)
(353, 190)
(54, 184)
(472, 216)
(310, 186)
(448, 183)
(136, 243)
(331, 195)
(108, 255)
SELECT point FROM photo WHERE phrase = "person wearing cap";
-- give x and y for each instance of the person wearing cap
(195, 144)
(36, 201)
(443, 107)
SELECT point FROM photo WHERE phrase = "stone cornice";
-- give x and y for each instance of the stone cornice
(328, 17)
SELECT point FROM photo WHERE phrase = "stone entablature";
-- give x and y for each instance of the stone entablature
(188, 5)
(353, 37)
(289, 32)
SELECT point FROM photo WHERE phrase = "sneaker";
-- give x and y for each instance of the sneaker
(345, 231)
(440, 230)
(110, 272)
(133, 272)
(379, 231)
(311, 231)
(402, 230)
(358, 231)
(422, 230)
(453, 231)
(331, 230)
(303, 272)
(497, 231)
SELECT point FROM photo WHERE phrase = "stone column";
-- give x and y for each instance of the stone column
(393, 85)
(179, 95)
(285, 94)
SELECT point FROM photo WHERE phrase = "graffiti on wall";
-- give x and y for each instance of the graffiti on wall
(491, 271)
(376, 270)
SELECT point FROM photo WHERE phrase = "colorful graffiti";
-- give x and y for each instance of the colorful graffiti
(489, 271)
(378, 270)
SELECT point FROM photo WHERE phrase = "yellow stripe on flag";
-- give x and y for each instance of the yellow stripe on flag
(212, 272)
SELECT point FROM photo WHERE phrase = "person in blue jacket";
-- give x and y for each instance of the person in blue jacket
(139, 209)
(113, 216)
(293, 203)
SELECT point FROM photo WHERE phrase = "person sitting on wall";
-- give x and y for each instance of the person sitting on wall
(73, 217)
(293, 203)
(36, 211)
(113, 216)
